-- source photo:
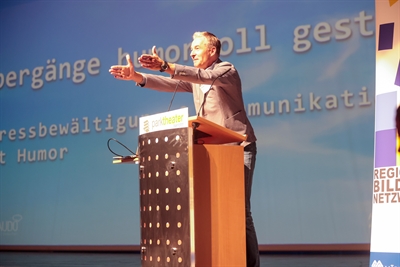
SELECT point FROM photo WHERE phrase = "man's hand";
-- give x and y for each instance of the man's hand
(151, 62)
(127, 72)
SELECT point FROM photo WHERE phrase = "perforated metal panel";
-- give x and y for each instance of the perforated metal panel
(164, 198)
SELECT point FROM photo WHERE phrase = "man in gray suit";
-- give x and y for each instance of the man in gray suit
(217, 94)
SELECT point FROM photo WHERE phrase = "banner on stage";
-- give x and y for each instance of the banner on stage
(164, 121)
(385, 223)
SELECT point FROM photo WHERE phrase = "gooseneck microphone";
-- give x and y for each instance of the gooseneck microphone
(206, 94)
(173, 96)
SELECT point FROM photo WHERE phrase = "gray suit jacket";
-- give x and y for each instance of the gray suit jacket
(221, 104)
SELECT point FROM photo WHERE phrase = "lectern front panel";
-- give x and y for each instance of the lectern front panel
(164, 198)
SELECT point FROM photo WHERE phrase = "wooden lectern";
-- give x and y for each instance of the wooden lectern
(192, 207)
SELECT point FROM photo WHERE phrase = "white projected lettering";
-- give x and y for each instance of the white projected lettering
(52, 154)
(76, 126)
(50, 73)
(10, 225)
(323, 31)
(2, 158)
(315, 102)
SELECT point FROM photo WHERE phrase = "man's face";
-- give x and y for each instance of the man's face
(202, 55)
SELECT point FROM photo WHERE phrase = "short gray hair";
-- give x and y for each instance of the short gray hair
(212, 40)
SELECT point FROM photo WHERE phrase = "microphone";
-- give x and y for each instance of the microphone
(173, 96)
(205, 95)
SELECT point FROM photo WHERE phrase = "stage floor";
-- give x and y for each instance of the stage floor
(66, 259)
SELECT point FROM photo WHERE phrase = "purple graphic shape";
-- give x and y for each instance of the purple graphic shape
(386, 36)
(385, 148)
(397, 81)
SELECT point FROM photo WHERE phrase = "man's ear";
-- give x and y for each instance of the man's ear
(213, 51)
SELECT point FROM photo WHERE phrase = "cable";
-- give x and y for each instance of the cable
(173, 96)
(108, 145)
